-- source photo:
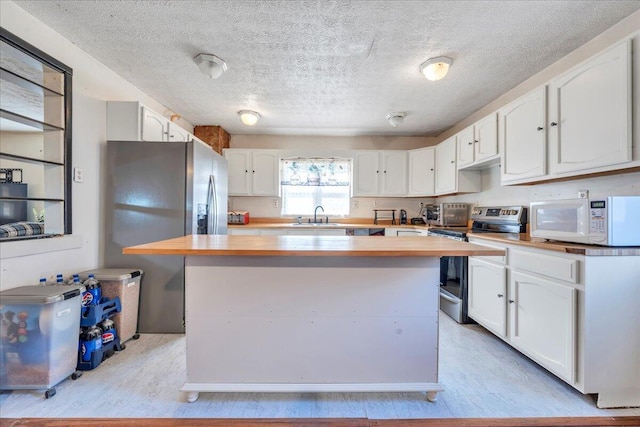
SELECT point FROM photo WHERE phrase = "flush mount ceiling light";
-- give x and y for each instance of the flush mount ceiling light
(436, 68)
(249, 117)
(396, 118)
(210, 65)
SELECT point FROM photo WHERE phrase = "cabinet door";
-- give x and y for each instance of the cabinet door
(590, 113)
(487, 295)
(154, 126)
(331, 231)
(524, 139)
(240, 172)
(486, 137)
(366, 173)
(266, 173)
(176, 133)
(542, 318)
(422, 172)
(446, 172)
(394, 173)
(465, 146)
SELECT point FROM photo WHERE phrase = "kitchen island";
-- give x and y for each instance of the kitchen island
(311, 313)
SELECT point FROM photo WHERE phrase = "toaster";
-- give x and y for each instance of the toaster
(240, 217)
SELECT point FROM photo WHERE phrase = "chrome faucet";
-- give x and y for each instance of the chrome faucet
(315, 214)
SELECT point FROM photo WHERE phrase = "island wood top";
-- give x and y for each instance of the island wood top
(224, 245)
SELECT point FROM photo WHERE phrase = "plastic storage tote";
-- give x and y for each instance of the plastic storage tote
(125, 284)
(39, 327)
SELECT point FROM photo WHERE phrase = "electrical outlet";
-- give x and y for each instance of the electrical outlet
(375, 204)
(356, 204)
(420, 206)
(583, 194)
(77, 174)
(276, 203)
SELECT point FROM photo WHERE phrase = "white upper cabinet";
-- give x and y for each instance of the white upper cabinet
(380, 173)
(366, 173)
(253, 172)
(446, 171)
(422, 173)
(394, 173)
(265, 173)
(478, 143)
(590, 113)
(155, 127)
(176, 133)
(133, 121)
(523, 138)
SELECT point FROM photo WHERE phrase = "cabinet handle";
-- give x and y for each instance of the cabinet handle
(540, 128)
(377, 171)
(254, 171)
(500, 295)
(431, 169)
(453, 161)
(554, 124)
(476, 141)
(469, 143)
(385, 171)
(511, 301)
(246, 171)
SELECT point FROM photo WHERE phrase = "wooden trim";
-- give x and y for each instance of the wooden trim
(322, 422)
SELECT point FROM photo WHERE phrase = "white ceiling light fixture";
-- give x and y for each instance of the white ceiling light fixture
(249, 117)
(210, 65)
(436, 68)
(396, 118)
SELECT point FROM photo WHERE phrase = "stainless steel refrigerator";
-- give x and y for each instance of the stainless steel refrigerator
(157, 191)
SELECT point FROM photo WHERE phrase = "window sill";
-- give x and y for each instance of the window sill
(14, 249)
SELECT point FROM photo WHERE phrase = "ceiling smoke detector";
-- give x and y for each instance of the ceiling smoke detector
(210, 65)
(396, 118)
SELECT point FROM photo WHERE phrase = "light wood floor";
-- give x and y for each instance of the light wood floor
(482, 376)
(315, 422)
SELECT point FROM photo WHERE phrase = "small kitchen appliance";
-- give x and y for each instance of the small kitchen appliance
(606, 221)
(454, 285)
(238, 217)
(445, 214)
(403, 216)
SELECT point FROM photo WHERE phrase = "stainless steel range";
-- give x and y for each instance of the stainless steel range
(454, 288)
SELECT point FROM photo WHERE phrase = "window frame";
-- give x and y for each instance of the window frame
(348, 160)
(67, 72)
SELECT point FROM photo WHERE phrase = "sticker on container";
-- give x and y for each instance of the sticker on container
(63, 312)
(130, 284)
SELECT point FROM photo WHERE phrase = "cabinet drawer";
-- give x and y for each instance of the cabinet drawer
(546, 265)
(496, 258)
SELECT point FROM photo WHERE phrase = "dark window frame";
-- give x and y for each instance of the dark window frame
(27, 48)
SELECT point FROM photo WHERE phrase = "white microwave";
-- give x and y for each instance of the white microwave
(608, 221)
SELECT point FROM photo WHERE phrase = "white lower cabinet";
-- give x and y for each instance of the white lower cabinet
(542, 319)
(303, 231)
(575, 315)
(534, 314)
(487, 295)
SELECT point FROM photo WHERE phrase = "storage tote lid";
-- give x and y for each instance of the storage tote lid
(39, 294)
(112, 274)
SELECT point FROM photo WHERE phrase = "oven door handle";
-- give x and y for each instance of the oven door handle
(450, 299)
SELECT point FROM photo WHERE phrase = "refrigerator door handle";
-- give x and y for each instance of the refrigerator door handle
(212, 204)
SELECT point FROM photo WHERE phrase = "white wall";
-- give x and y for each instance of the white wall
(93, 85)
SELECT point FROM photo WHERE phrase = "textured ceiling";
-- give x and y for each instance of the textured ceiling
(328, 67)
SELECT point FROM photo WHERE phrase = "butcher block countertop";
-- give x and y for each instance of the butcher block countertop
(293, 246)
(524, 239)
